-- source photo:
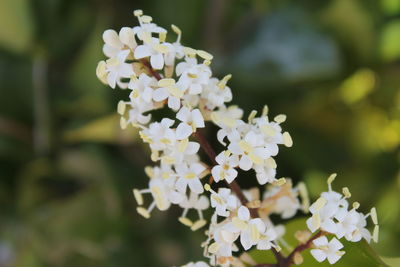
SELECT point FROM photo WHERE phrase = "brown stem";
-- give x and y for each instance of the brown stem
(152, 71)
(289, 260)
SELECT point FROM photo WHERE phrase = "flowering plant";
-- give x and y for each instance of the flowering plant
(162, 74)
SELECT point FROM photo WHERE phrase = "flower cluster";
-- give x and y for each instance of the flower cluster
(160, 74)
(331, 214)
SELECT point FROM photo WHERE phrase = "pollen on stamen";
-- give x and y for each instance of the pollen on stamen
(298, 259)
(252, 115)
(185, 221)
(265, 111)
(138, 196)
(356, 205)
(176, 29)
(162, 36)
(146, 18)
(214, 247)
(280, 182)
(198, 224)
(331, 178)
(287, 139)
(121, 107)
(123, 123)
(280, 118)
(320, 203)
(375, 234)
(138, 13)
(189, 51)
(374, 216)
(207, 187)
(204, 55)
(346, 192)
(166, 82)
(142, 211)
(304, 196)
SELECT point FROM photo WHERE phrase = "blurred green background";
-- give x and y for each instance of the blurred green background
(66, 170)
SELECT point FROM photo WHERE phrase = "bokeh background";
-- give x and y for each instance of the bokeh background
(66, 170)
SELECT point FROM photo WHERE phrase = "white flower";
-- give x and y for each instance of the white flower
(136, 117)
(146, 29)
(360, 230)
(161, 187)
(347, 222)
(142, 88)
(153, 49)
(193, 76)
(224, 239)
(114, 43)
(282, 200)
(169, 91)
(181, 151)
(175, 51)
(251, 230)
(266, 172)
(190, 120)
(250, 149)
(327, 250)
(115, 68)
(223, 202)
(226, 167)
(189, 175)
(159, 134)
(216, 94)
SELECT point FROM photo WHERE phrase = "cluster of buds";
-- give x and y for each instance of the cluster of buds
(163, 74)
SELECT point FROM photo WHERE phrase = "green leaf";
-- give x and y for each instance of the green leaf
(390, 49)
(16, 25)
(392, 261)
(103, 130)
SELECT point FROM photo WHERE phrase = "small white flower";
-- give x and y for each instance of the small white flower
(189, 175)
(142, 88)
(347, 222)
(153, 49)
(193, 76)
(116, 68)
(223, 202)
(146, 29)
(215, 94)
(190, 120)
(226, 167)
(265, 172)
(169, 91)
(327, 250)
(250, 149)
(159, 134)
(114, 43)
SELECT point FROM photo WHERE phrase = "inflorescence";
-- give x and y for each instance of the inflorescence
(163, 74)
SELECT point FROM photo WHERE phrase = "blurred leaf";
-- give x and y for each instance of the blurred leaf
(82, 74)
(353, 24)
(390, 40)
(357, 86)
(391, 7)
(104, 130)
(16, 25)
(286, 48)
(393, 262)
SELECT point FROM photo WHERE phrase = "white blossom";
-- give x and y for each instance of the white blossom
(327, 250)
(225, 170)
(190, 120)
